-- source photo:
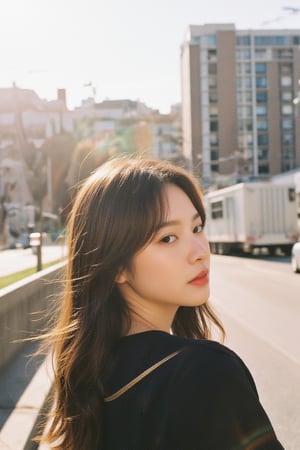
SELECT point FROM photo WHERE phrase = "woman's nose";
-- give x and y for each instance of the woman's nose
(199, 248)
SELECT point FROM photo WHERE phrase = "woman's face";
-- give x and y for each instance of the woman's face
(173, 269)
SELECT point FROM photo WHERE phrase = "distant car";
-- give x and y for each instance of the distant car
(296, 257)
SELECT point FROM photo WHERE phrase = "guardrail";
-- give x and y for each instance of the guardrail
(23, 308)
(23, 312)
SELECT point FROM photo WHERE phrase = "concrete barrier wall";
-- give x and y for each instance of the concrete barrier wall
(23, 309)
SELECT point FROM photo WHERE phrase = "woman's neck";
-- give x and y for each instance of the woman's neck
(140, 325)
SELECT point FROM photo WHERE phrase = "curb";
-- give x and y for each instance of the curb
(24, 421)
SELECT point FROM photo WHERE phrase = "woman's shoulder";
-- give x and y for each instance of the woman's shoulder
(214, 351)
(214, 388)
(155, 345)
(213, 361)
(195, 358)
(197, 349)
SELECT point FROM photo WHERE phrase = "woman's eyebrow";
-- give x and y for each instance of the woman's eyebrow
(175, 222)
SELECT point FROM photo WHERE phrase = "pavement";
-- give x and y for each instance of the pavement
(16, 260)
(26, 381)
(24, 388)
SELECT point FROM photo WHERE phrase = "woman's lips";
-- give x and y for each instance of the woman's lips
(201, 279)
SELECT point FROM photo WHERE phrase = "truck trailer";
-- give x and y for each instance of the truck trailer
(249, 216)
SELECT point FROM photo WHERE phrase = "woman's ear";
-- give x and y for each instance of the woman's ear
(121, 278)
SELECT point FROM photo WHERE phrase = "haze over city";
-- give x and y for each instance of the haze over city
(115, 49)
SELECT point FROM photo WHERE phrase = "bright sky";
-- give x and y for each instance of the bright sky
(126, 48)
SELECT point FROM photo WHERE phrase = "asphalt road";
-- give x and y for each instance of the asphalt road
(258, 300)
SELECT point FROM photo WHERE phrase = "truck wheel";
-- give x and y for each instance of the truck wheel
(213, 248)
(220, 249)
(295, 267)
(286, 250)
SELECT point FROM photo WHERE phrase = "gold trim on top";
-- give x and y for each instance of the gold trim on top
(133, 382)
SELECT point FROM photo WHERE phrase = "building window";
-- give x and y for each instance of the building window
(247, 68)
(262, 139)
(243, 54)
(239, 97)
(247, 82)
(287, 124)
(213, 97)
(263, 169)
(211, 55)
(286, 110)
(239, 82)
(262, 125)
(213, 126)
(288, 153)
(272, 40)
(243, 40)
(212, 81)
(296, 40)
(210, 40)
(263, 154)
(249, 125)
(217, 210)
(261, 68)
(285, 81)
(260, 54)
(288, 159)
(261, 82)
(242, 83)
(286, 69)
(213, 110)
(239, 69)
(261, 97)
(214, 155)
(287, 139)
(249, 139)
(212, 68)
(286, 53)
(287, 165)
(261, 110)
(195, 40)
(244, 111)
(214, 139)
(286, 96)
(243, 68)
(248, 97)
(245, 125)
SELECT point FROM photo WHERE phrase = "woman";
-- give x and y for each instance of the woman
(134, 366)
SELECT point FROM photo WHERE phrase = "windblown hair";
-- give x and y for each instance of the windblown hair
(116, 212)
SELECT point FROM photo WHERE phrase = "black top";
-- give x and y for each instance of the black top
(204, 398)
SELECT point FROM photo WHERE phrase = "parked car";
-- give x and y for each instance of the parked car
(296, 257)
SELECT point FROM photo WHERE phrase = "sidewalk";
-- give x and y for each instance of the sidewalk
(12, 261)
(24, 388)
(26, 381)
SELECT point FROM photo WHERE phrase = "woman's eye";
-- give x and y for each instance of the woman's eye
(198, 229)
(168, 239)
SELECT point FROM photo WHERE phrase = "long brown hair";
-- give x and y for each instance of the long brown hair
(115, 213)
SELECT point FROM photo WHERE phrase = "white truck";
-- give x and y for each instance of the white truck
(249, 216)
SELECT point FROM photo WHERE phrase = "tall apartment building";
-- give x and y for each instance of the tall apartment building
(238, 115)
